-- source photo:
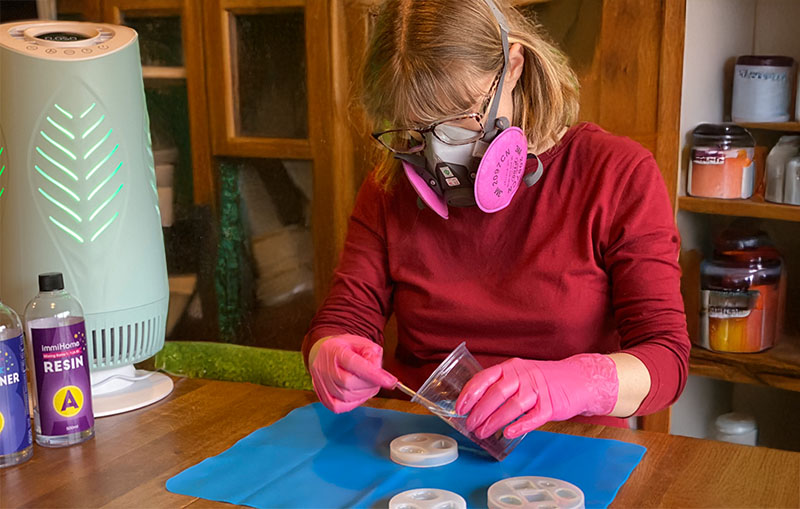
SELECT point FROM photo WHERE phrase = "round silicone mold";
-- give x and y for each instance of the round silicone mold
(427, 498)
(423, 450)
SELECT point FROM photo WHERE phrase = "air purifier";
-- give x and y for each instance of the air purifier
(78, 194)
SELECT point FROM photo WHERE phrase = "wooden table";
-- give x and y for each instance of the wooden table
(132, 456)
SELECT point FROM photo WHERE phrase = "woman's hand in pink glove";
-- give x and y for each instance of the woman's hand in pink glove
(530, 393)
(346, 372)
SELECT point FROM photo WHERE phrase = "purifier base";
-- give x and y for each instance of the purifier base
(138, 394)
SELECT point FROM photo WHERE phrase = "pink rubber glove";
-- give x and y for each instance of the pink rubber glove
(347, 371)
(537, 392)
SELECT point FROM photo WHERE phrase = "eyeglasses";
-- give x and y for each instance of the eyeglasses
(458, 129)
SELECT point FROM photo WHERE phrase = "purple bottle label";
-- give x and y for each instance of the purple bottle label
(15, 418)
(61, 361)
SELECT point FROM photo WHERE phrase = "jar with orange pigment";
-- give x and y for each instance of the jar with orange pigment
(721, 162)
(742, 293)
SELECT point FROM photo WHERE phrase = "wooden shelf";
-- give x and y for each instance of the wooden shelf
(772, 126)
(778, 367)
(744, 208)
(153, 72)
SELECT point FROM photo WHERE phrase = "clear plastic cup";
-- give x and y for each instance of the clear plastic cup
(440, 392)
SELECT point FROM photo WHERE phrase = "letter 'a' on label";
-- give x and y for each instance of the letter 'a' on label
(2, 422)
(68, 401)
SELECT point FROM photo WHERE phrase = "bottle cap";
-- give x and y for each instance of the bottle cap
(51, 281)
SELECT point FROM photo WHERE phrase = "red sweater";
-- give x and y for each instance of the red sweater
(586, 260)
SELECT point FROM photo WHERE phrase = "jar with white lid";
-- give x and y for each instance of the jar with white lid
(762, 88)
(737, 428)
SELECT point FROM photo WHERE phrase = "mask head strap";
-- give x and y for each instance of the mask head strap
(491, 128)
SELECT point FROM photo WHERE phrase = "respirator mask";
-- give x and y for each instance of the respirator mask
(466, 160)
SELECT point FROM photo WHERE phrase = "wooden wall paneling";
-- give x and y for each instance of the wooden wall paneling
(631, 50)
(147, 7)
(270, 148)
(256, 6)
(350, 149)
(629, 59)
(205, 180)
(330, 206)
(90, 10)
(617, 78)
(219, 74)
(575, 27)
(670, 76)
(658, 421)
(230, 74)
(670, 79)
(354, 151)
(359, 16)
(346, 170)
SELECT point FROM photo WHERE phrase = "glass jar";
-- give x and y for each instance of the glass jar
(722, 162)
(742, 293)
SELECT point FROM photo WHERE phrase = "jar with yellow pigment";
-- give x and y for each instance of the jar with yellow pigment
(742, 293)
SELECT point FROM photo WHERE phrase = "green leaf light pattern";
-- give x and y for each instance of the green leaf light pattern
(2, 169)
(82, 217)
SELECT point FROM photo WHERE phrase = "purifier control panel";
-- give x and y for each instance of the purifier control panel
(62, 36)
(65, 40)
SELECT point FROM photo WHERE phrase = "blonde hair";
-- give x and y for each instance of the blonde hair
(426, 60)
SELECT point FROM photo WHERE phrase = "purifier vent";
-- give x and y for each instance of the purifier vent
(127, 343)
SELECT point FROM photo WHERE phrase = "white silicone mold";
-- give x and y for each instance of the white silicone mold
(535, 493)
(423, 450)
(427, 498)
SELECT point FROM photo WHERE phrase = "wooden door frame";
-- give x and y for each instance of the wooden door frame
(222, 107)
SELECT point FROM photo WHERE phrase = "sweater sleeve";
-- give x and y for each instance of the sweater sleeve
(642, 260)
(359, 301)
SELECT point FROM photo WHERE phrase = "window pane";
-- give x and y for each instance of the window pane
(276, 213)
(160, 41)
(268, 55)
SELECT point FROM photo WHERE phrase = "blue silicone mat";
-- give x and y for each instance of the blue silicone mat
(313, 458)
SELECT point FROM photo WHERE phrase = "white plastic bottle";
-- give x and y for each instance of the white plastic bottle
(16, 443)
(786, 148)
(57, 345)
(791, 181)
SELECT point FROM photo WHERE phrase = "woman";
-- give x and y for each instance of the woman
(568, 287)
